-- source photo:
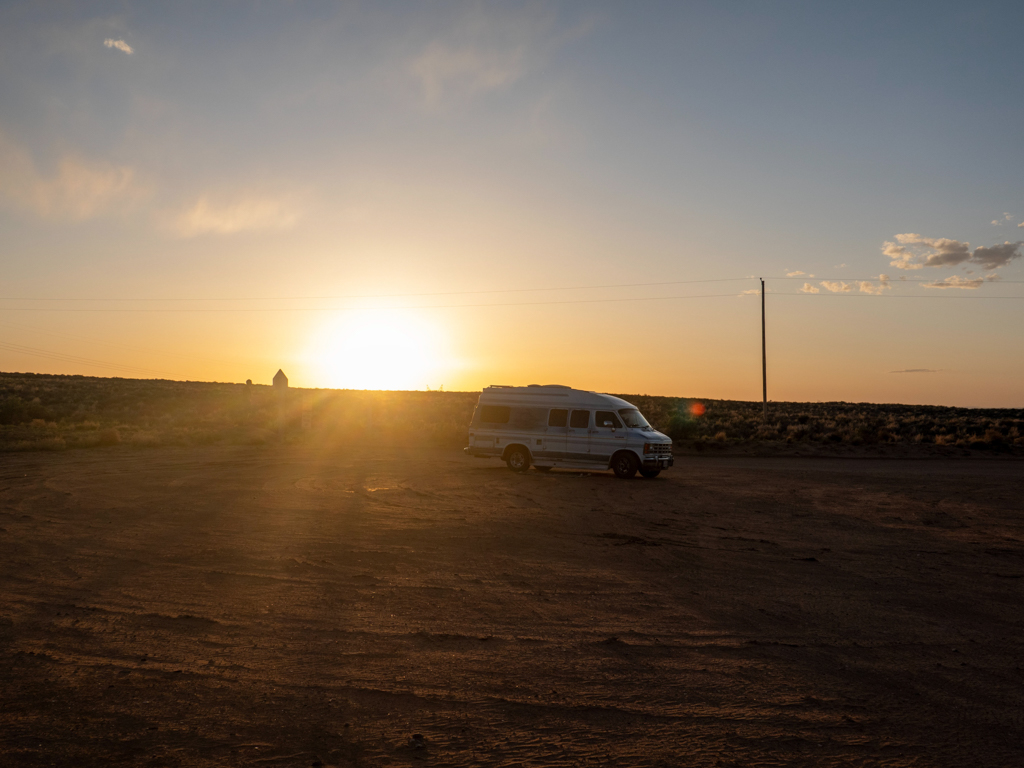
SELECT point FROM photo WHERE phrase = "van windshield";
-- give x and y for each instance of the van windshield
(633, 418)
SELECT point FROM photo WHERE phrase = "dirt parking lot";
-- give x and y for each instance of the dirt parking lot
(294, 607)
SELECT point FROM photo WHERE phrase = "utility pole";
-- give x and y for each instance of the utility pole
(764, 359)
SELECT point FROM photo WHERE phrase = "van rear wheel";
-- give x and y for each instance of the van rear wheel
(650, 472)
(624, 465)
(518, 460)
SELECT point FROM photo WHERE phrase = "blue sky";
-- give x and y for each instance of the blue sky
(274, 150)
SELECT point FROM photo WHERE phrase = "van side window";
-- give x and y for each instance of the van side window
(607, 416)
(580, 419)
(494, 414)
(558, 417)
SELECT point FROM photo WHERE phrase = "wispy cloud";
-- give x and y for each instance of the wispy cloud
(868, 286)
(79, 188)
(835, 287)
(809, 288)
(120, 45)
(913, 251)
(795, 273)
(864, 286)
(918, 370)
(241, 214)
(957, 282)
(488, 50)
(442, 68)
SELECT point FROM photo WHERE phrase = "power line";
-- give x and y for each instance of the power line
(386, 308)
(805, 278)
(497, 304)
(63, 358)
(126, 347)
(852, 295)
(900, 279)
(399, 295)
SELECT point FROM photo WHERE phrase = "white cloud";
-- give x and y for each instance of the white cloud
(836, 287)
(795, 273)
(809, 288)
(913, 251)
(245, 213)
(79, 188)
(957, 282)
(121, 45)
(996, 222)
(751, 292)
(997, 256)
(869, 286)
(1021, 224)
(937, 251)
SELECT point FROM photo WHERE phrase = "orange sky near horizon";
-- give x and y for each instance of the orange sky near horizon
(392, 197)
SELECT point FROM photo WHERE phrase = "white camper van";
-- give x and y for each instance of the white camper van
(555, 426)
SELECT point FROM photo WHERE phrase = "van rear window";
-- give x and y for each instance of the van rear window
(494, 414)
(558, 417)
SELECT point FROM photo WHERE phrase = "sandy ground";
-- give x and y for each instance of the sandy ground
(282, 607)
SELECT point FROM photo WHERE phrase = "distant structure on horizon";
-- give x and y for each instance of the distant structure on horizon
(280, 380)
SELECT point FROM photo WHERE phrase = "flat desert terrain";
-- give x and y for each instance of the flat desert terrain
(282, 606)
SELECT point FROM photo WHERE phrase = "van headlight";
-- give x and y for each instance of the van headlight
(658, 448)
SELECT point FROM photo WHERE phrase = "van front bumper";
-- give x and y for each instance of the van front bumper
(658, 462)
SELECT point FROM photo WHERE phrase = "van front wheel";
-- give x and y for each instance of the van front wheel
(518, 460)
(650, 472)
(624, 465)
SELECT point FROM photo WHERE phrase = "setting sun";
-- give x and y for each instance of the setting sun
(379, 349)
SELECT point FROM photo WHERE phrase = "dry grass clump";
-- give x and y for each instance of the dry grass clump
(856, 424)
(42, 412)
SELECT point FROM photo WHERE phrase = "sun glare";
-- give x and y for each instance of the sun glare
(379, 349)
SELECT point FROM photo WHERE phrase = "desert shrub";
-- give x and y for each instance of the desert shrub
(13, 410)
(796, 432)
(86, 411)
(995, 437)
